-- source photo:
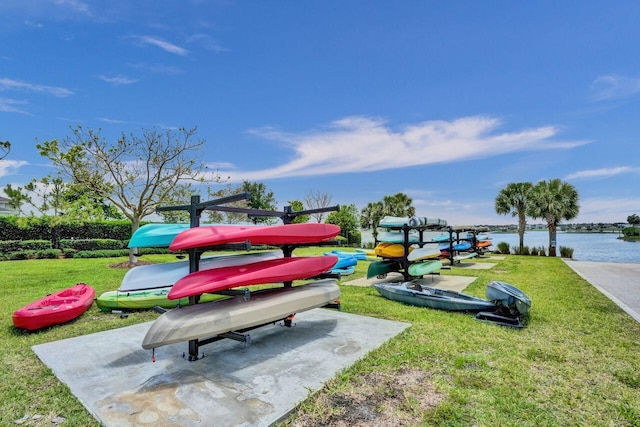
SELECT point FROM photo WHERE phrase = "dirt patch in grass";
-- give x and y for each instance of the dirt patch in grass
(388, 399)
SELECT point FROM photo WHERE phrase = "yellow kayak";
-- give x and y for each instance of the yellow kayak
(390, 250)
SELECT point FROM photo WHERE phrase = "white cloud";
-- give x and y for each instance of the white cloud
(118, 80)
(360, 144)
(607, 209)
(614, 87)
(9, 167)
(604, 172)
(10, 84)
(166, 46)
(12, 106)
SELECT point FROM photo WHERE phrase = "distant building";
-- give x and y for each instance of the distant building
(5, 208)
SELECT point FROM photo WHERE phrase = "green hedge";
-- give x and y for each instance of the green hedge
(14, 228)
(24, 245)
(31, 254)
(93, 244)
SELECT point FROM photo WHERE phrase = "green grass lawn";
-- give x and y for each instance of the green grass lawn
(576, 363)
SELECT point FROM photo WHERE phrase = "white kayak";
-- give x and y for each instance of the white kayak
(164, 275)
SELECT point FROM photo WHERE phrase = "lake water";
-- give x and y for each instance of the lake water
(602, 247)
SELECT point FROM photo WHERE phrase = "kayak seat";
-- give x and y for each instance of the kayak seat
(414, 286)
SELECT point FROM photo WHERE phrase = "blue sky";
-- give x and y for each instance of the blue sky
(447, 102)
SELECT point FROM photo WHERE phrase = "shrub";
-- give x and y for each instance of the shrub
(69, 253)
(524, 251)
(541, 251)
(631, 232)
(102, 253)
(20, 255)
(566, 252)
(92, 244)
(48, 254)
(24, 245)
(503, 248)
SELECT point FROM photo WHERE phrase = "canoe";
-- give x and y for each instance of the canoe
(289, 234)
(160, 235)
(366, 252)
(440, 238)
(358, 255)
(343, 262)
(464, 255)
(390, 250)
(143, 299)
(423, 253)
(483, 244)
(164, 275)
(382, 268)
(414, 221)
(237, 313)
(417, 293)
(344, 271)
(397, 237)
(462, 246)
(419, 269)
(257, 273)
(59, 307)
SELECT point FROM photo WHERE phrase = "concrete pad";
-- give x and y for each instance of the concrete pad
(234, 384)
(450, 283)
(618, 281)
(474, 265)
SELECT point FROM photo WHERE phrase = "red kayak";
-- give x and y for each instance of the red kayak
(289, 234)
(59, 307)
(257, 273)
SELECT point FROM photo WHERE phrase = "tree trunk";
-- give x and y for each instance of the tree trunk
(522, 224)
(551, 225)
(133, 252)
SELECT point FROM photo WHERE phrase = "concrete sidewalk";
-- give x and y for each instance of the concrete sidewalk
(618, 281)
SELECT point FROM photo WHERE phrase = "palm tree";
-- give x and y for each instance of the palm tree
(514, 199)
(554, 201)
(398, 205)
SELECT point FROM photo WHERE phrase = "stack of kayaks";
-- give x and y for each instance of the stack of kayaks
(262, 306)
(402, 250)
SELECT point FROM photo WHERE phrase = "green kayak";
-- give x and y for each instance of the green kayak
(419, 269)
(145, 299)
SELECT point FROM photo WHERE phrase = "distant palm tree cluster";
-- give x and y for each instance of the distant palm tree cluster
(552, 201)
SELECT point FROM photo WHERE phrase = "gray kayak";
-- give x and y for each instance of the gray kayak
(416, 293)
(237, 313)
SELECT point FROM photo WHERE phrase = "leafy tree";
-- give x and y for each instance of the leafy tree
(371, 215)
(348, 220)
(554, 201)
(398, 205)
(5, 147)
(633, 219)
(297, 205)
(136, 174)
(514, 199)
(16, 198)
(317, 200)
(261, 198)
